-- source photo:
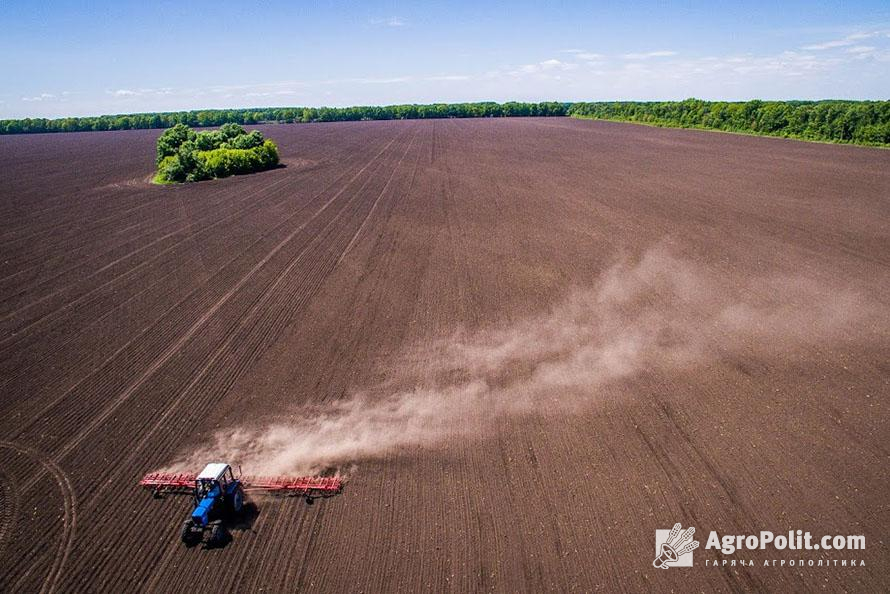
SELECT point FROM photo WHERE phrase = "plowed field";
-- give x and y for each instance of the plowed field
(526, 343)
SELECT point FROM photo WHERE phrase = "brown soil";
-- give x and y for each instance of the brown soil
(138, 320)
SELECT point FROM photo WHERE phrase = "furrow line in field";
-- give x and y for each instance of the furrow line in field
(226, 198)
(172, 349)
(84, 265)
(249, 349)
(176, 309)
(69, 517)
(252, 336)
(56, 346)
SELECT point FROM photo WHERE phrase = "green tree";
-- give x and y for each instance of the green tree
(172, 139)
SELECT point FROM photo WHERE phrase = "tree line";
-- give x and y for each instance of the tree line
(217, 117)
(859, 122)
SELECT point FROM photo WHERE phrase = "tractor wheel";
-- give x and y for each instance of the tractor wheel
(217, 536)
(238, 500)
(187, 534)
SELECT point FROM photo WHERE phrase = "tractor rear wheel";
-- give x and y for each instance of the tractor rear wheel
(187, 534)
(238, 500)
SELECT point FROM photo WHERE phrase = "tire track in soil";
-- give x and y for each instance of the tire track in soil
(89, 163)
(385, 488)
(109, 359)
(177, 194)
(741, 515)
(9, 509)
(20, 332)
(92, 230)
(58, 289)
(43, 232)
(174, 348)
(199, 231)
(175, 307)
(90, 352)
(270, 563)
(41, 269)
(263, 305)
(385, 247)
(374, 205)
(205, 398)
(57, 346)
(279, 520)
(99, 195)
(15, 342)
(173, 193)
(287, 512)
(246, 320)
(69, 517)
(312, 540)
(96, 421)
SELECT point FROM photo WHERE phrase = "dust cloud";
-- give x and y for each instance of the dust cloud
(658, 314)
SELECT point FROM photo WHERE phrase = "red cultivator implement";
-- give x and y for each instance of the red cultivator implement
(310, 487)
(217, 495)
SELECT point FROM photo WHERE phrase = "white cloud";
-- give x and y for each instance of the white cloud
(582, 54)
(827, 45)
(448, 77)
(40, 97)
(393, 21)
(647, 55)
(543, 67)
(377, 81)
(849, 40)
(269, 93)
(783, 64)
(129, 93)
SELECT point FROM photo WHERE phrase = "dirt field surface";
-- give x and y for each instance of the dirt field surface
(526, 343)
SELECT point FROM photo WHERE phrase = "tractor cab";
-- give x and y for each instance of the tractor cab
(216, 475)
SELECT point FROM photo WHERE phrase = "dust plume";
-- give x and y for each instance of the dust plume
(659, 314)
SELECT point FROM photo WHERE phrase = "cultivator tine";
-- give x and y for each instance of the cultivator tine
(168, 482)
(308, 486)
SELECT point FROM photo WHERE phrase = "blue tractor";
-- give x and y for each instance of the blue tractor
(217, 495)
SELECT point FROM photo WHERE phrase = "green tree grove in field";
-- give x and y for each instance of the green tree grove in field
(859, 122)
(186, 156)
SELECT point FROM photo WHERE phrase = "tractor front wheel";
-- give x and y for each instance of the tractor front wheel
(217, 536)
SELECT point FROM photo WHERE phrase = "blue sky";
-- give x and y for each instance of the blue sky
(73, 58)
